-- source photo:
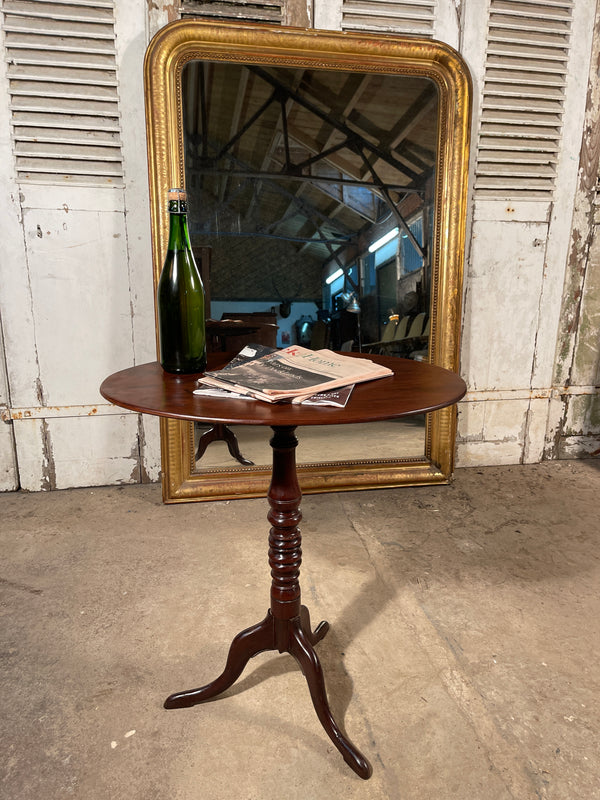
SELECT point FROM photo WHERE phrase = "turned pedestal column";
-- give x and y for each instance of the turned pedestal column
(286, 627)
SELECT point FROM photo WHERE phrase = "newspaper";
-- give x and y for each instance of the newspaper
(292, 374)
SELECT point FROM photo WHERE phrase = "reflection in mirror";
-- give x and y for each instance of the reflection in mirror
(311, 211)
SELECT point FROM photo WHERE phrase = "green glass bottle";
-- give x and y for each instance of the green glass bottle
(180, 297)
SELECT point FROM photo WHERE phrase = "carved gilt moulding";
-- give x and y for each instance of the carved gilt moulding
(249, 43)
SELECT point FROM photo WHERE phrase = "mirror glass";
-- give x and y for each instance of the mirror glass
(327, 182)
(311, 197)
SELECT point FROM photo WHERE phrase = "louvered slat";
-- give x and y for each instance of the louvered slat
(67, 91)
(79, 3)
(523, 98)
(73, 12)
(63, 88)
(415, 17)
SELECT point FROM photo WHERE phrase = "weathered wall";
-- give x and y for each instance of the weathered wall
(574, 424)
(517, 268)
(76, 300)
(76, 305)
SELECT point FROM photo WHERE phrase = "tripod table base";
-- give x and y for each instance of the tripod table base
(286, 627)
(293, 636)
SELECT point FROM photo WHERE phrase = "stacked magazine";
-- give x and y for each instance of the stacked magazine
(292, 375)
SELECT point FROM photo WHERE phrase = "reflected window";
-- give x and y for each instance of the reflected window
(387, 251)
(411, 259)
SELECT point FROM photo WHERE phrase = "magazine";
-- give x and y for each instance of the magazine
(338, 397)
(248, 353)
(292, 374)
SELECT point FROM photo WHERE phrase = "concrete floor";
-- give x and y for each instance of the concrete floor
(463, 655)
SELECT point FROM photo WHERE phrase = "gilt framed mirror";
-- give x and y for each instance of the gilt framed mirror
(327, 185)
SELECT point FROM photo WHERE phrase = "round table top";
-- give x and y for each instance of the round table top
(414, 388)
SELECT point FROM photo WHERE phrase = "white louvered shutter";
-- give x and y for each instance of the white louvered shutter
(413, 17)
(523, 98)
(63, 91)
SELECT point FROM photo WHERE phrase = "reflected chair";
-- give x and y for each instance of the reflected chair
(417, 333)
(388, 334)
(423, 353)
(400, 334)
(416, 326)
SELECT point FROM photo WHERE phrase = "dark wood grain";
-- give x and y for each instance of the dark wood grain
(415, 387)
(286, 628)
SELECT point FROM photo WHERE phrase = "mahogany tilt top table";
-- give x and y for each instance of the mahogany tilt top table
(414, 388)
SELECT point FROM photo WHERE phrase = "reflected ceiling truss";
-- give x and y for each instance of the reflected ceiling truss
(311, 154)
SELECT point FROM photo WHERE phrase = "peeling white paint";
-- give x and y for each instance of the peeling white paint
(48, 412)
(77, 294)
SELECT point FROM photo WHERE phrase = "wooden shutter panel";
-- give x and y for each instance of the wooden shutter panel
(523, 98)
(415, 17)
(268, 11)
(63, 91)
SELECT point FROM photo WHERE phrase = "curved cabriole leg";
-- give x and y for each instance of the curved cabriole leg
(302, 650)
(246, 644)
(318, 633)
(209, 436)
(286, 627)
(221, 433)
(233, 447)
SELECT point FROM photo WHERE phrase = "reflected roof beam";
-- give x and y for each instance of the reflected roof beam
(339, 124)
(235, 120)
(394, 208)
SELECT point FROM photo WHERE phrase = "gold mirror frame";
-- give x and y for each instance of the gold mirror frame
(249, 43)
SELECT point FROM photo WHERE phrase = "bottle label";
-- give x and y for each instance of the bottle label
(177, 201)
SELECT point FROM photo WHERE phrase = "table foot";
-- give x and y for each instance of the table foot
(301, 647)
(221, 433)
(245, 645)
(299, 641)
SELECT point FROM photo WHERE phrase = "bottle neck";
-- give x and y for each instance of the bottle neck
(179, 238)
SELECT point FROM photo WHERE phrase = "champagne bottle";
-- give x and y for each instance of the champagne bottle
(180, 297)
